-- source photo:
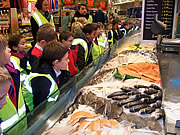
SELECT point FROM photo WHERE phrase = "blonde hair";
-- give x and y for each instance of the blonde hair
(4, 75)
(75, 26)
(82, 20)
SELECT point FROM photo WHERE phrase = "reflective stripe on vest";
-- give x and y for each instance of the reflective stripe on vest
(15, 62)
(9, 122)
(83, 44)
(111, 40)
(33, 75)
(40, 19)
(123, 30)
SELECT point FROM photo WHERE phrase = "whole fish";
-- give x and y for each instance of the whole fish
(158, 114)
(131, 104)
(147, 110)
(120, 97)
(157, 104)
(128, 89)
(155, 87)
(148, 100)
(138, 107)
(140, 86)
(117, 93)
(150, 91)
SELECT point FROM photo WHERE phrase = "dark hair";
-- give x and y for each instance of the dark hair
(67, 13)
(89, 28)
(114, 22)
(54, 51)
(46, 32)
(39, 4)
(80, 5)
(65, 35)
(14, 41)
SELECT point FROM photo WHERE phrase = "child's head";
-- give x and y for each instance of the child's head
(17, 44)
(46, 34)
(121, 20)
(66, 38)
(4, 51)
(56, 54)
(90, 31)
(115, 25)
(101, 28)
(75, 26)
(82, 20)
(5, 81)
(126, 25)
(110, 25)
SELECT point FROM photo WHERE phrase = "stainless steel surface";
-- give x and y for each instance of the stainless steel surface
(170, 76)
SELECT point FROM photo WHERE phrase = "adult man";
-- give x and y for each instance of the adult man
(99, 16)
(82, 12)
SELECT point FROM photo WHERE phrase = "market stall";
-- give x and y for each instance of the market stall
(98, 84)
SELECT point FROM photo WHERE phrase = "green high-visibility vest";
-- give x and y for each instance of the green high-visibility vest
(83, 43)
(96, 51)
(40, 19)
(10, 116)
(111, 40)
(27, 89)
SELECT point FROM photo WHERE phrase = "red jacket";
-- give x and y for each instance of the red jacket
(36, 51)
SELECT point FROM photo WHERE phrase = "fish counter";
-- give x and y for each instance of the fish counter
(120, 93)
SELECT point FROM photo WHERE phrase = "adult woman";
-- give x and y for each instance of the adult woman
(41, 16)
(66, 22)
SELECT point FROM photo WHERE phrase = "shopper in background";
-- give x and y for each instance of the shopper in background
(81, 50)
(40, 17)
(15, 102)
(99, 16)
(82, 12)
(46, 75)
(66, 22)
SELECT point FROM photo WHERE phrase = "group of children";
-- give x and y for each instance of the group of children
(29, 78)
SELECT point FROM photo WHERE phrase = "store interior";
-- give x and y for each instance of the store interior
(133, 88)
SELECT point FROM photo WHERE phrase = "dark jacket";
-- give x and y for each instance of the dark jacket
(41, 85)
(35, 26)
(77, 14)
(99, 17)
(116, 35)
(76, 54)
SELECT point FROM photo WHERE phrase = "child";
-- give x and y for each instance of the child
(76, 26)
(66, 38)
(116, 32)
(80, 54)
(15, 102)
(99, 44)
(5, 82)
(110, 35)
(18, 48)
(82, 20)
(46, 76)
(124, 28)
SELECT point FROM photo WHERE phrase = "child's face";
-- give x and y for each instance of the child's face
(91, 36)
(115, 27)
(68, 42)
(6, 56)
(101, 30)
(62, 65)
(110, 27)
(3, 92)
(22, 48)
